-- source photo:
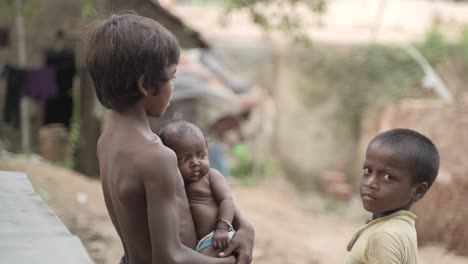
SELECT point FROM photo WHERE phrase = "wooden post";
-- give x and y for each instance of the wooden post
(22, 60)
(87, 161)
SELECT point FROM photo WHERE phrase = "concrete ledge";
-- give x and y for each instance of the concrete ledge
(30, 232)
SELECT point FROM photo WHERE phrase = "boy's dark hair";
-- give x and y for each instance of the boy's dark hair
(178, 128)
(121, 49)
(421, 153)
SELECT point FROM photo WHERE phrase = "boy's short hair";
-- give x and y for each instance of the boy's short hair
(178, 128)
(121, 49)
(421, 153)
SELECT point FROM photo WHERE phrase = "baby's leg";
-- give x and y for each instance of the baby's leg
(210, 251)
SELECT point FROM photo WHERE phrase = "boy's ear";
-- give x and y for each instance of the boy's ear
(141, 87)
(419, 191)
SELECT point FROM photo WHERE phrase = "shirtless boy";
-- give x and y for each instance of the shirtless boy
(132, 60)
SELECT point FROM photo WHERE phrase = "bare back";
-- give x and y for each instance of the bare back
(120, 153)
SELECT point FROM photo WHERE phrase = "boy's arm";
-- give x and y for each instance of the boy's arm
(384, 248)
(160, 174)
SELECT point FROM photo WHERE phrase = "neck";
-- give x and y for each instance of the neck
(133, 117)
(379, 215)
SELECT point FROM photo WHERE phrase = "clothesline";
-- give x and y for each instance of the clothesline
(50, 84)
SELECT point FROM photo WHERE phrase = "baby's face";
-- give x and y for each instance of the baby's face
(192, 157)
(386, 183)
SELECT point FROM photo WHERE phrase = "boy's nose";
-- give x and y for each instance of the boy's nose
(371, 182)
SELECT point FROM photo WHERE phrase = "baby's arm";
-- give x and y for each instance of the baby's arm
(243, 241)
(384, 248)
(226, 209)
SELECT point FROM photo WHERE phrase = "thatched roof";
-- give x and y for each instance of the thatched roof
(188, 37)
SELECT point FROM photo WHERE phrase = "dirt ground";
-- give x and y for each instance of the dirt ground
(285, 231)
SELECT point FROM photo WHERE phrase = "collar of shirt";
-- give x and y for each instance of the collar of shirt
(402, 214)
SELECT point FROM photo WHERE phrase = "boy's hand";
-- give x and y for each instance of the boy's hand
(242, 245)
(230, 260)
(220, 239)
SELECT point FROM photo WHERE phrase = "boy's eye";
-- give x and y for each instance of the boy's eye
(367, 171)
(388, 177)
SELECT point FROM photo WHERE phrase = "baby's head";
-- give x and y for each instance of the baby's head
(400, 166)
(190, 146)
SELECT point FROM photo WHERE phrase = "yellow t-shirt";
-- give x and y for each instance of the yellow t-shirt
(387, 240)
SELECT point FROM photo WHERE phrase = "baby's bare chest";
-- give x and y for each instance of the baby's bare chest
(200, 192)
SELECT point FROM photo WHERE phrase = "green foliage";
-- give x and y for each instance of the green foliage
(245, 166)
(434, 47)
(207, 2)
(259, 19)
(74, 134)
(366, 78)
(29, 9)
(363, 77)
(88, 10)
(302, 41)
(238, 4)
(318, 6)
(284, 18)
(332, 205)
(4, 144)
(464, 47)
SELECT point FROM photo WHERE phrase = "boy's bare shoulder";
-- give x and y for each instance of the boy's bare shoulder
(155, 158)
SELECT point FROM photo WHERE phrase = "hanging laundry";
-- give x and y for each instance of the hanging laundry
(14, 82)
(59, 109)
(40, 84)
(4, 36)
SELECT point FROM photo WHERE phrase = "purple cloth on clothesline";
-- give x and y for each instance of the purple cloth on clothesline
(40, 84)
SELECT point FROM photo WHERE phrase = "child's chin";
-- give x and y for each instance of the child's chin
(369, 208)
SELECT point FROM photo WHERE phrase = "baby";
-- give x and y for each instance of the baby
(210, 199)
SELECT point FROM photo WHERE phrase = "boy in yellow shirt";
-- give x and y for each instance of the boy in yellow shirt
(399, 168)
